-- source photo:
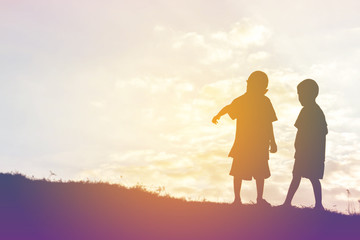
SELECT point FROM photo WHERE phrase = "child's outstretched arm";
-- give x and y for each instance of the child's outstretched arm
(273, 146)
(222, 112)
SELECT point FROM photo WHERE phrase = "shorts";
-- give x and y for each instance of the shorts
(246, 169)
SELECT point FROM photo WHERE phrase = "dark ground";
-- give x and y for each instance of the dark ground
(39, 209)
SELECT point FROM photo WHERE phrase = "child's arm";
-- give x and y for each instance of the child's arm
(273, 146)
(222, 112)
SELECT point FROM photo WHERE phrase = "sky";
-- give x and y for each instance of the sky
(124, 91)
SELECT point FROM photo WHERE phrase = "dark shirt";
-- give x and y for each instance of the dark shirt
(311, 134)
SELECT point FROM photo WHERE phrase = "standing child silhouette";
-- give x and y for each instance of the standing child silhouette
(309, 143)
(254, 115)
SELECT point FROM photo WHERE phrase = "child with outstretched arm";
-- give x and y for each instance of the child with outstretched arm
(254, 115)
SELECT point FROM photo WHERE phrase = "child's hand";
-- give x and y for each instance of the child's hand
(215, 119)
(273, 147)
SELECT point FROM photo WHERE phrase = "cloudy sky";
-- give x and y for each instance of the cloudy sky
(124, 91)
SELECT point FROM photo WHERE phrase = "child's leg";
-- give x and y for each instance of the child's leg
(294, 185)
(317, 192)
(237, 188)
(260, 188)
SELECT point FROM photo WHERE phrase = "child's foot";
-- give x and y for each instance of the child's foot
(237, 202)
(286, 205)
(319, 207)
(262, 202)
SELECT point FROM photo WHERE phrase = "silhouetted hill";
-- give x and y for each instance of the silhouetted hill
(38, 209)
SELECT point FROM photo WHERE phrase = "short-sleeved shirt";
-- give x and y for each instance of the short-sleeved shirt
(310, 142)
(254, 115)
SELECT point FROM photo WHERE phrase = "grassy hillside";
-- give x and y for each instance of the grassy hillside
(38, 209)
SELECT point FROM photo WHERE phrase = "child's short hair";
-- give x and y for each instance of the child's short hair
(309, 87)
(259, 78)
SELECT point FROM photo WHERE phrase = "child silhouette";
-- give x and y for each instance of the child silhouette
(309, 143)
(254, 134)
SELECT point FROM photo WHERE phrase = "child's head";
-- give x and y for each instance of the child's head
(307, 91)
(257, 82)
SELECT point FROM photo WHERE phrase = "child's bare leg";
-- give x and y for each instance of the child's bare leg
(260, 188)
(317, 192)
(237, 188)
(294, 185)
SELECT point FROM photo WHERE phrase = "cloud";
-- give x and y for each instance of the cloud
(224, 46)
(258, 56)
